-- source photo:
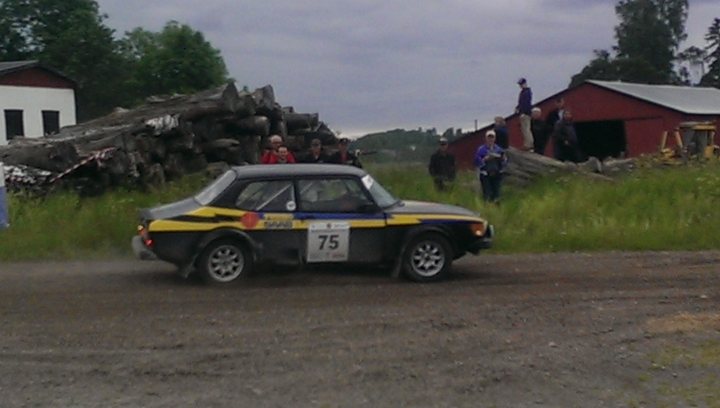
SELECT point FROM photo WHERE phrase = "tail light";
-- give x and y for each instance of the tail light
(145, 235)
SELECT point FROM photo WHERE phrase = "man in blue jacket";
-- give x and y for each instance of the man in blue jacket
(490, 160)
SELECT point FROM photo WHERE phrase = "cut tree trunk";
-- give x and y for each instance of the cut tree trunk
(524, 167)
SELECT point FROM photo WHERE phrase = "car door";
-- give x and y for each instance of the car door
(272, 206)
(339, 220)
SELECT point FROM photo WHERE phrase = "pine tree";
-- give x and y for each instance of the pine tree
(712, 77)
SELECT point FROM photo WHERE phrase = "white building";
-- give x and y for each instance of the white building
(34, 100)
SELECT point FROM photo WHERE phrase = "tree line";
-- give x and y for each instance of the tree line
(648, 37)
(70, 36)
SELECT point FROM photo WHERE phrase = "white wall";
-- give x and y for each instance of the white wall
(32, 101)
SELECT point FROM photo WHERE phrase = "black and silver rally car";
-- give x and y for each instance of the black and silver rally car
(306, 213)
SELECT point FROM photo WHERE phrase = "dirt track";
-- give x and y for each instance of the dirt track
(561, 330)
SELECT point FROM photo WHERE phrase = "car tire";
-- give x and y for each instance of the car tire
(224, 261)
(427, 258)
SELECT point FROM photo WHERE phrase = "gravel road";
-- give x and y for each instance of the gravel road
(612, 329)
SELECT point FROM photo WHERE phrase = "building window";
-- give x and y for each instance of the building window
(51, 122)
(14, 123)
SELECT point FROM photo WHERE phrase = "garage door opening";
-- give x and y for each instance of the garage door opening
(602, 139)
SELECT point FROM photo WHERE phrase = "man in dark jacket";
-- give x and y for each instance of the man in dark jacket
(539, 131)
(442, 166)
(566, 139)
(316, 153)
(524, 108)
(552, 119)
(343, 156)
(501, 132)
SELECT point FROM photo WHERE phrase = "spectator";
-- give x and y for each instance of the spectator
(490, 160)
(343, 156)
(442, 166)
(552, 119)
(524, 108)
(316, 153)
(282, 156)
(501, 133)
(270, 154)
(539, 131)
(566, 139)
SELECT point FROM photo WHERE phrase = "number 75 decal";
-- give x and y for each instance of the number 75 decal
(328, 241)
(332, 241)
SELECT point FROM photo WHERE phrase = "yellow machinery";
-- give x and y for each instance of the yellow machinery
(692, 140)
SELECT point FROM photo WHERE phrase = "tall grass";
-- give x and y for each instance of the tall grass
(650, 209)
(65, 226)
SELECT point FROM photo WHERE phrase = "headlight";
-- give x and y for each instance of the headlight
(478, 229)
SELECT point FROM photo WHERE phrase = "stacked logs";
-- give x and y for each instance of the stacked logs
(523, 167)
(164, 139)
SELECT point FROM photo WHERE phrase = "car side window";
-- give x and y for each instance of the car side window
(267, 196)
(332, 195)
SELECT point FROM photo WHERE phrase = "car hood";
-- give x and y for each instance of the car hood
(171, 210)
(424, 207)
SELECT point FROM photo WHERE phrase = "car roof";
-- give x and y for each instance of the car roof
(295, 170)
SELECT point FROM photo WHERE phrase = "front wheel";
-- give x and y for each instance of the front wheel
(224, 261)
(427, 258)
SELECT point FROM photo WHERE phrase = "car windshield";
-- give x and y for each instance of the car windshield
(209, 193)
(381, 196)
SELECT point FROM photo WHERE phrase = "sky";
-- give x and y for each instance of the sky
(373, 65)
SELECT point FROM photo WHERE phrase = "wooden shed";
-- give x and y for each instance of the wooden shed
(614, 119)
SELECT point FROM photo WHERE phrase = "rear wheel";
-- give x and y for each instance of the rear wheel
(224, 261)
(427, 258)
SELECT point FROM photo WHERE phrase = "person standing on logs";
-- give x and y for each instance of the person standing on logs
(271, 153)
(501, 134)
(539, 130)
(524, 109)
(552, 119)
(442, 166)
(566, 139)
(316, 153)
(343, 156)
(490, 160)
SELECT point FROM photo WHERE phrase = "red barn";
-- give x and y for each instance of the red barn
(614, 118)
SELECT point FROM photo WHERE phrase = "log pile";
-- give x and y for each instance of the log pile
(161, 140)
(524, 167)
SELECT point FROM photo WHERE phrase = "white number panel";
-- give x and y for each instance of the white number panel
(328, 241)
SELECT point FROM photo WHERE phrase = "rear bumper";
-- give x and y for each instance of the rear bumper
(141, 251)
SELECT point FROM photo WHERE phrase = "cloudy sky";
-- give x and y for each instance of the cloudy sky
(373, 65)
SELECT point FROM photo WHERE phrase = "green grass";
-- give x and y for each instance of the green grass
(699, 386)
(651, 209)
(65, 226)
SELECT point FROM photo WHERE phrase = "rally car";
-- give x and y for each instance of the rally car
(306, 214)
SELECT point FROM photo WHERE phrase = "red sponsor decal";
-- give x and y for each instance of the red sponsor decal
(250, 220)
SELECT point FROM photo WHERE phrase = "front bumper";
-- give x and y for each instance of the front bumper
(141, 251)
(485, 242)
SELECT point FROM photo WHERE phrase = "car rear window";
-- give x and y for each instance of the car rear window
(209, 193)
(273, 196)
